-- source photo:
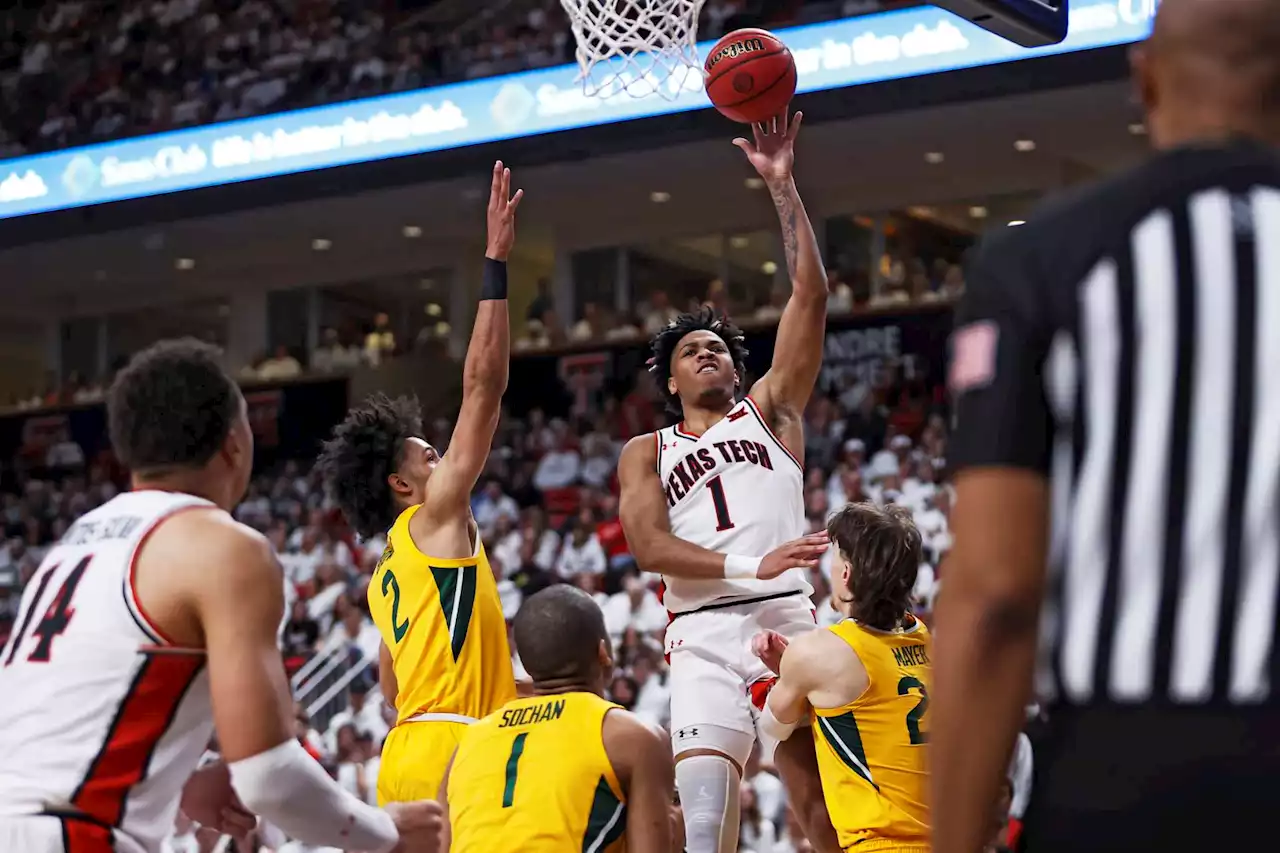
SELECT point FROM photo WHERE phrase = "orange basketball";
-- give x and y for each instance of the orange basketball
(751, 76)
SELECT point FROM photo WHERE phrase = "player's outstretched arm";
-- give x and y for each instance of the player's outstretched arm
(784, 391)
(641, 759)
(643, 511)
(236, 595)
(487, 366)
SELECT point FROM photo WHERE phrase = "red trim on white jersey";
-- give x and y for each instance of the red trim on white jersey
(145, 622)
(144, 715)
(680, 431)
(82, 836)
(764, 423)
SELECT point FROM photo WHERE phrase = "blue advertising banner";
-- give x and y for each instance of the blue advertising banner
(850, 52)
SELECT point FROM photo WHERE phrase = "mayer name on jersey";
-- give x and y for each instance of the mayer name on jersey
(102, 716)
(735, 489)
(534, 776)
(872, 753)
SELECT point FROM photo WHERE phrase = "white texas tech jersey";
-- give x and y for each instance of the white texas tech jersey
(734, 489)
(100, 716)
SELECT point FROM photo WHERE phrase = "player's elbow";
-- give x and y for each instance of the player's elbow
(647, 551)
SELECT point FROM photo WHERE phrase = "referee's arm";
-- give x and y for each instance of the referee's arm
(990, 596)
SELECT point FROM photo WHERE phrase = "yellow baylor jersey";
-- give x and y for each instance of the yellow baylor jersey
(872, 753)
(442, 621)
(534, 777)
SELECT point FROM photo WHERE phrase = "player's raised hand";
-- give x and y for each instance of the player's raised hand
(769, 646)
(773, 152)
(802, 553)
(502, 214)
(421, 824)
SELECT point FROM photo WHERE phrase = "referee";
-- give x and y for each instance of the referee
(1116, 375)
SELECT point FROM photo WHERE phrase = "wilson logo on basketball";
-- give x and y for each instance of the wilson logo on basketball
(735, 49)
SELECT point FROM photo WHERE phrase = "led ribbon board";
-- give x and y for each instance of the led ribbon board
(868, 49)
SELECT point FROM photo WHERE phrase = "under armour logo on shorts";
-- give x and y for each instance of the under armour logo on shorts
(692, 731)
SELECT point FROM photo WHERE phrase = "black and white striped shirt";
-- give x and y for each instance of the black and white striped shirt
(1126, 343)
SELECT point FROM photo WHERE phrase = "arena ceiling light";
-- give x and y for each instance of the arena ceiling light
(320, 244)
(1016, 222)
(933, 158)
(1024, 145)
(739, 241)
(755, 183)
(185, 263)
(768, 268)
(659, 197)
(413, 232)
(978, 212)
(1137, 128)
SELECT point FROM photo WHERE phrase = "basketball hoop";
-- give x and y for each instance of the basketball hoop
(640, 47)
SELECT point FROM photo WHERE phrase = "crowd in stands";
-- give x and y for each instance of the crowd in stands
(75, 72)
(548, 510)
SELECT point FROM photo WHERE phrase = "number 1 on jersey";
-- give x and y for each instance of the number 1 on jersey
(513, 767)
(723, 522)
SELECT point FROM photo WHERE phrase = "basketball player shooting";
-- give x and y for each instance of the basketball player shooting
(715, 505)
(154, 618)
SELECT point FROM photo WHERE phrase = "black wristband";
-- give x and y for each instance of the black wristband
(495, 280)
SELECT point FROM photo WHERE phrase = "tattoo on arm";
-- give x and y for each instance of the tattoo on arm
(784, 200)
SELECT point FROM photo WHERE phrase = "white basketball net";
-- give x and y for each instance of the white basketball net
(640, 47)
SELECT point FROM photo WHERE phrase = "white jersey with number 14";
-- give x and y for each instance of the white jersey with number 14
(101, 715)
(734, 489)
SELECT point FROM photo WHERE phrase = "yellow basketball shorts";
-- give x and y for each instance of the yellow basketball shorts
(414, 759)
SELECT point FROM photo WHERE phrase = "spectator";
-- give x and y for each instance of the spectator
(839, 294)
(757, 835)
(592, 325)
(282, 365)
(581, 553)
(491, 504)
(380, 343)
(65, 453)
(560, 467)
(362, 715)
(301, 632)
(332, 356)
(659, 312)
(599, 459)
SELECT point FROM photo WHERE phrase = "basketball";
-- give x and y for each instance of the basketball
(751, 76)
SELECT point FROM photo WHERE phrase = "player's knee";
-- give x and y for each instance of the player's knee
(709, 793)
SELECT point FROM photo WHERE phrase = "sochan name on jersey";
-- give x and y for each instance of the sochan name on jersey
(737, 48)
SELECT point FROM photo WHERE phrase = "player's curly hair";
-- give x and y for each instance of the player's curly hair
(663, 346)
(365, 449)
(884, 549)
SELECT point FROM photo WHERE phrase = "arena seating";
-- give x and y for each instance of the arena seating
(75, 72)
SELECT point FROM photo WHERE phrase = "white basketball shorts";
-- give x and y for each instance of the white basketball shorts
(49, 834)
(712, 667)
